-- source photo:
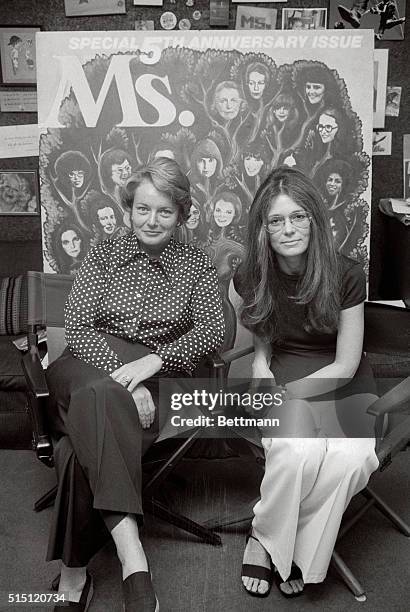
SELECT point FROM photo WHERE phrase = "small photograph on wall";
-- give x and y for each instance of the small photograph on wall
(386, 18)
(219, 13)
(19, 192)
(254, 18)
(393, 97)
(148, 2)
(381, 143)
(406, 166)
(84, 8)
(144, 24)
(380, 66)
(407, 179)
(304, 19)
(18, 55)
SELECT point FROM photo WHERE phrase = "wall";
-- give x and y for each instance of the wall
(387, 171)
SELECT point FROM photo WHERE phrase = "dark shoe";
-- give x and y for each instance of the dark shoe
(257, 571)
(85, 599)
(139, 594)
(295, 574)
(391, 23)
(353, 16)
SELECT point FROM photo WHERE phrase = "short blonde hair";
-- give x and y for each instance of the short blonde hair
(168, 178)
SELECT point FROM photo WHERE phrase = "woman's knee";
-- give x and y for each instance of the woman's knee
(293, 453)
(355, 455)
(67, 375)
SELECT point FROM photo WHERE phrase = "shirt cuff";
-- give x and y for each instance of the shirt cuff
(173, 362)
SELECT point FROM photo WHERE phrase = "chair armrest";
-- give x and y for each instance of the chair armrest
(38, 395)
(395, 441)
(219, 364)
(392, 401)
(236, 353)
(219, 360)
(214, 360)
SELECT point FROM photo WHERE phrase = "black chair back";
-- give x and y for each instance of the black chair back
(47, 294)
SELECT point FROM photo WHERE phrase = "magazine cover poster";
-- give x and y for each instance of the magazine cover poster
(228, 106)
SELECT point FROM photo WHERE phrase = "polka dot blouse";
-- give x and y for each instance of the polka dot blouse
(171, 304)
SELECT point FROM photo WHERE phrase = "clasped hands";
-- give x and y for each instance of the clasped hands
(131, 375)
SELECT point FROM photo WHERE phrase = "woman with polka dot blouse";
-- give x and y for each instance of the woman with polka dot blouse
(142, 306)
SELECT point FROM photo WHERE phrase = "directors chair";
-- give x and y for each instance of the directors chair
(47, 294)
(387, 345)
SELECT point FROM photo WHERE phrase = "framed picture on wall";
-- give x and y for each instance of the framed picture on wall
(380, 66)
(254, 18)
(19, 193)
(386, 17)
(84, 8)
(18, 54)
(304, 18)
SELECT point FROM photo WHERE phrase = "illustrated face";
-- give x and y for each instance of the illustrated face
(281, 113)
(207, 166)
(76, 178)
(121, 172)
(165, 153)
(314, 92)
(252, 165)
(107, 219)
(327, 128)
(334, 184)
(9, 191)
(224, 213)
(71, 243)
(154, 218)
(289, 242)
(257, 84)
(228, 103)
(193, 220)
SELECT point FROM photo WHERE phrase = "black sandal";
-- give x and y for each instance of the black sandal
(295, 574)
(257, 571)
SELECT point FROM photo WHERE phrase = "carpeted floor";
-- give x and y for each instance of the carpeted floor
(193, 577)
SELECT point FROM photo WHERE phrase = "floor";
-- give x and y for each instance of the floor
(190, 576)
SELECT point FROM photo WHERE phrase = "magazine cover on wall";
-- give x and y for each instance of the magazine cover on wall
(228, 106)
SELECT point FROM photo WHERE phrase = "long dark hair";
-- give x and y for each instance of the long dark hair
(261, 280)
(65, 263)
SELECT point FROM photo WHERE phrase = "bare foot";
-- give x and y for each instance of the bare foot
(255, 554)
(294, 584)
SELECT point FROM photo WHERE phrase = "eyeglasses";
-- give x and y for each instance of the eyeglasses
(301, 220)
(326, 128)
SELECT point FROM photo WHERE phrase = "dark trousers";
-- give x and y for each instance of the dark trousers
(98, 452)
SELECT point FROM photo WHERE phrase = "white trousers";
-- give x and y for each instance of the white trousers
(308, 484)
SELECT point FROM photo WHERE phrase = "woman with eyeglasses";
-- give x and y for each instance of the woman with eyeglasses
(71, 179)
(304, 305)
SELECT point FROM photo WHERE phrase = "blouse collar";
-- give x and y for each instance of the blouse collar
(127, 249)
